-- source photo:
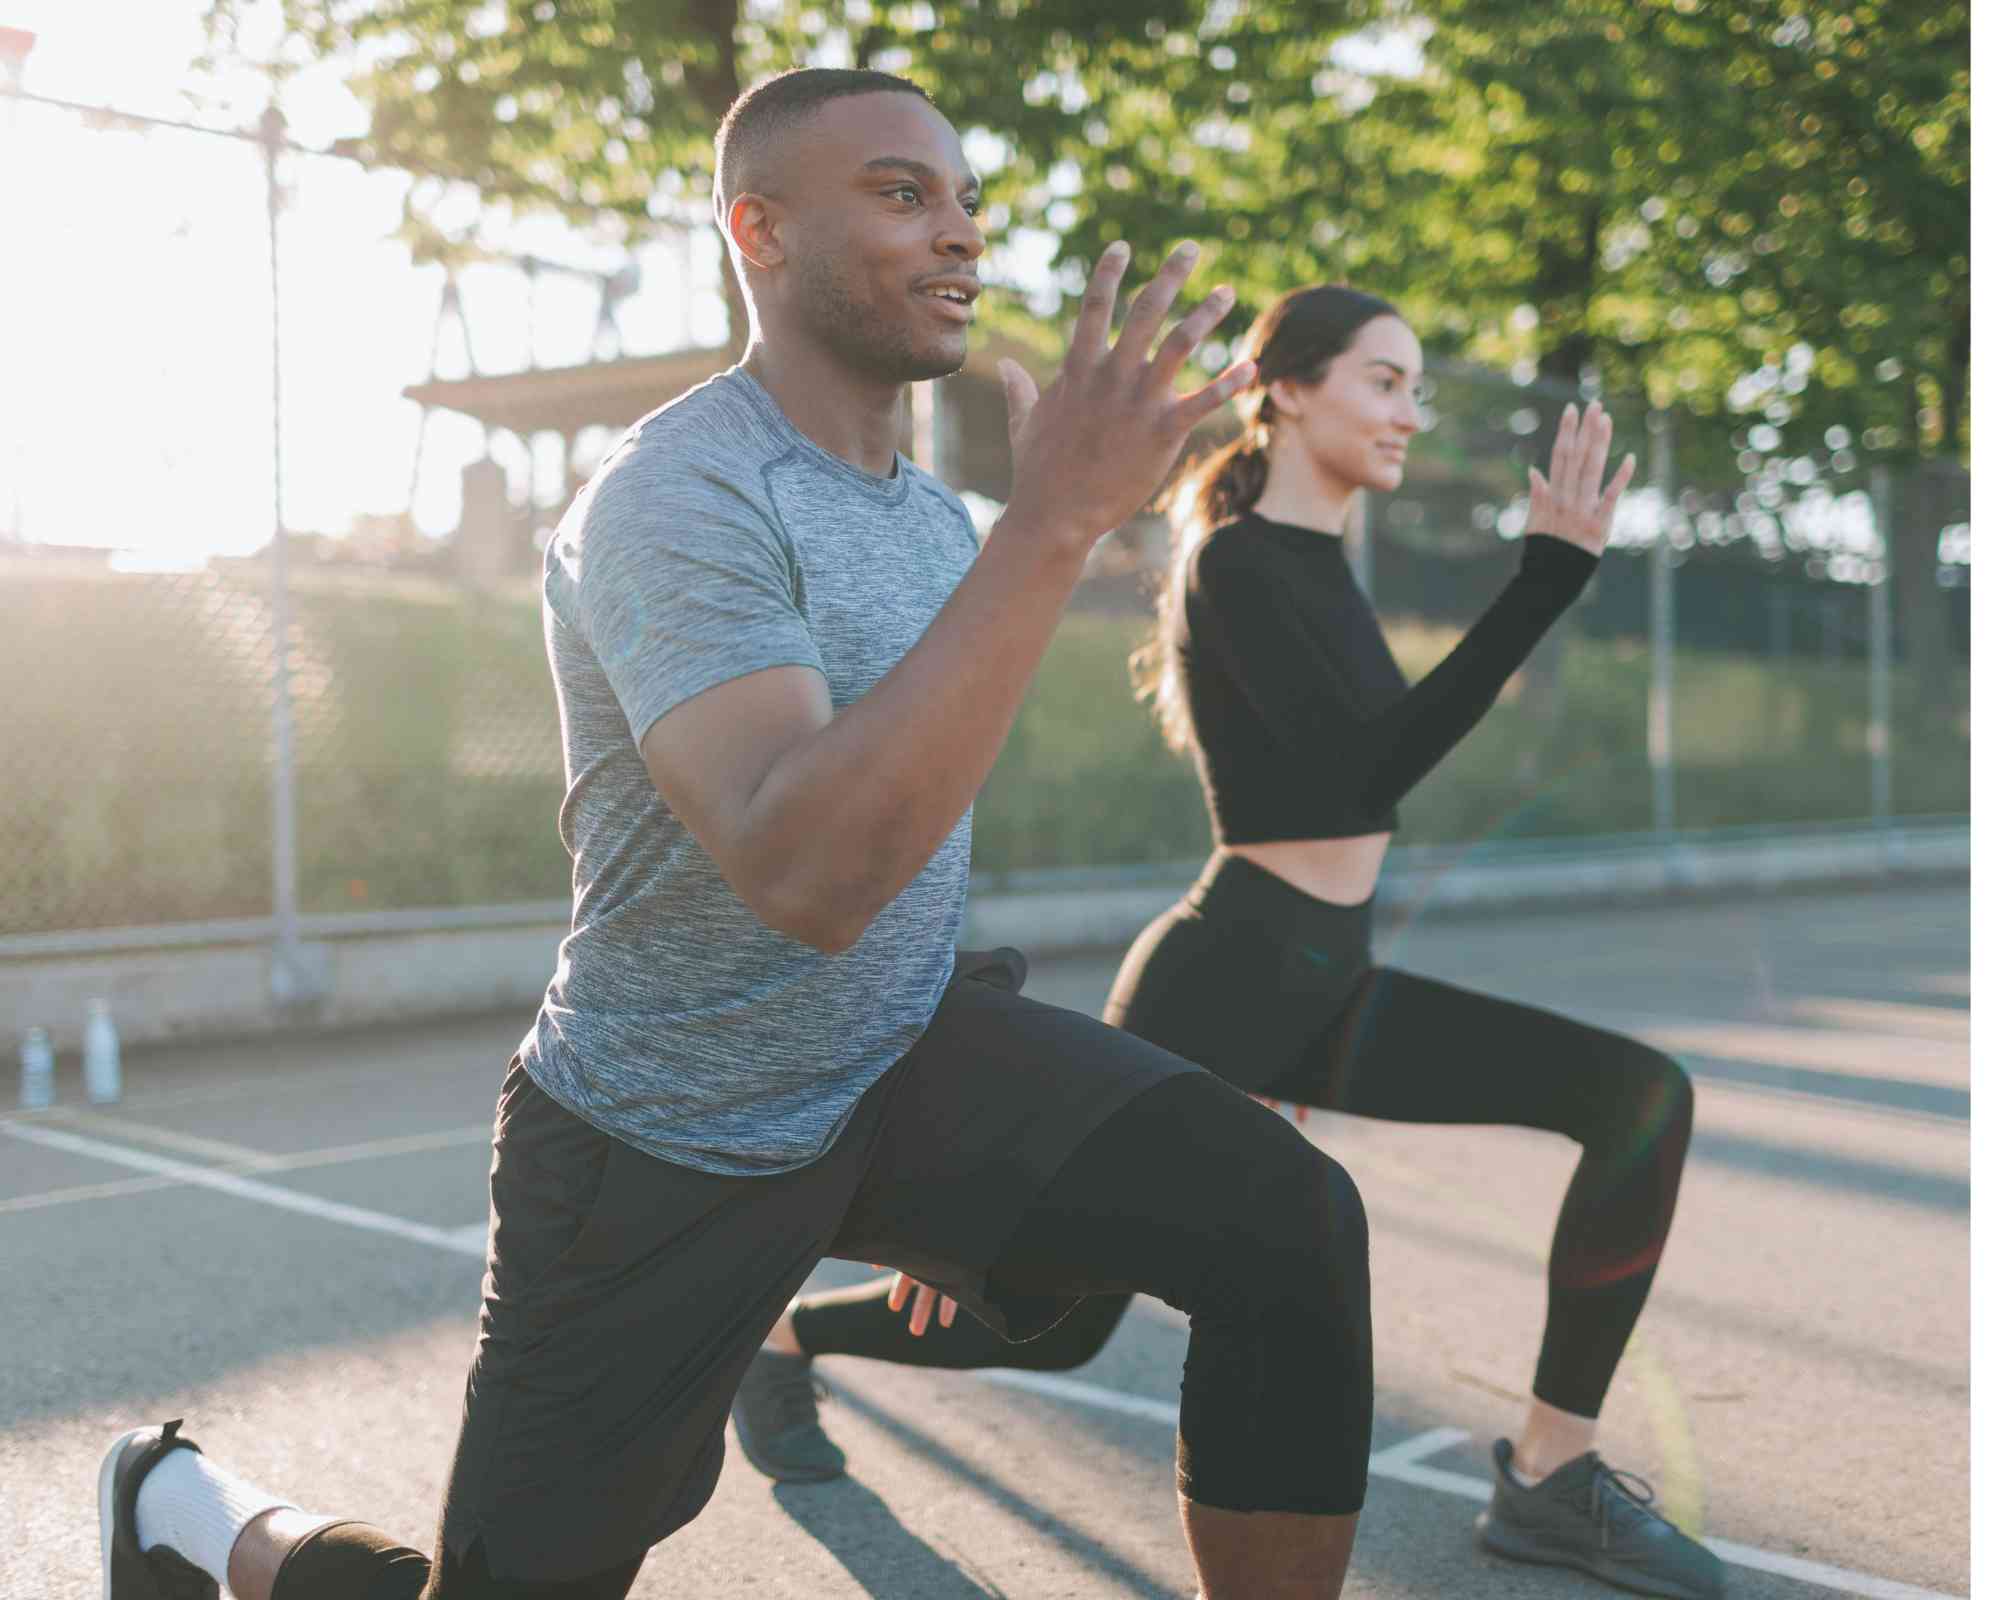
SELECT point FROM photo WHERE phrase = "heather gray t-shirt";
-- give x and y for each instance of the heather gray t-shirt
(717, 540)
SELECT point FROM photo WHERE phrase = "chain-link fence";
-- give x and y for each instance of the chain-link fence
(1736, 661)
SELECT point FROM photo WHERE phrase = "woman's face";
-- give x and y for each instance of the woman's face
(1355, 424)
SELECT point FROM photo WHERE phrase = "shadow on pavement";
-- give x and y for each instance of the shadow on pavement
(1845, 1088)
(1105, 1562)
(1843, 1174)
(857, 1528)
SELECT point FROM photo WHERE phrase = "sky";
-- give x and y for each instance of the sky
(136, 390)
(136, 377)
(136, 380)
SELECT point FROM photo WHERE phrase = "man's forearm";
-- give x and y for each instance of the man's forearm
(849, 816)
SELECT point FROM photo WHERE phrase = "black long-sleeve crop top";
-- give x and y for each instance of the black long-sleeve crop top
(1304, 726)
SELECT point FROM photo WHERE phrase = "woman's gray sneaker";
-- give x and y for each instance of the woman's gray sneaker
(777, 1421)
(1599, 1520)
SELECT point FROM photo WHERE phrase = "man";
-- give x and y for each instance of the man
(785, 666)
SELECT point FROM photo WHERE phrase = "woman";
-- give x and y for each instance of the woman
(1269, 664)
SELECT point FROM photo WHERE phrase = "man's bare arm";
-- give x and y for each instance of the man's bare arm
(819, 820)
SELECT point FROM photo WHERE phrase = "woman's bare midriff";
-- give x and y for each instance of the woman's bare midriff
(1340, 870)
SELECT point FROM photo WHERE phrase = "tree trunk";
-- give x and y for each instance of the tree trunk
(1958, 368)
(1561, 276)
(1927, 497)
(716, 89)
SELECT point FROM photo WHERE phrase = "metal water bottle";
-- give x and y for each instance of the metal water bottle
(102, 1080)
(38, 1071)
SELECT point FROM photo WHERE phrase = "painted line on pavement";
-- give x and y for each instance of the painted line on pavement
(1403, 1463)
(1400, 1463)
(454, 1240)
(330, 1156)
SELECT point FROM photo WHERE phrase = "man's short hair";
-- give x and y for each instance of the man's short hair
(752, 128)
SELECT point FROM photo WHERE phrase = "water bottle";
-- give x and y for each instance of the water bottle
(38, 1071)
(101, 1078)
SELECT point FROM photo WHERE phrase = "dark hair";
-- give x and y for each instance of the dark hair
(1298, 336)
(750, 126)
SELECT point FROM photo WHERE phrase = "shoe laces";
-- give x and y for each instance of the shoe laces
(1614, 1491)
(796, 1399)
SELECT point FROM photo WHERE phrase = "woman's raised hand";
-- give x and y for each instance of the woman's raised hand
(1573, 502)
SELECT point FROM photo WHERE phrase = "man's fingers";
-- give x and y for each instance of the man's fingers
(1191, 408)
(1020, 391)
(899, 1291)
(920, 1313)
(947, 1309)
(1150, 309)
(1196, 326)
(1093, 322)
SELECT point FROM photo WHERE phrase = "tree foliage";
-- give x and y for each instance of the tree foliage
(1752, 208)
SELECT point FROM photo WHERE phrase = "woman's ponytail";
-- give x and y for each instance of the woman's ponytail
(1298, 337)
(1210, 490)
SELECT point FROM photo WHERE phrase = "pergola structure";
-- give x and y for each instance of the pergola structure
(956, 427)
(613, 394)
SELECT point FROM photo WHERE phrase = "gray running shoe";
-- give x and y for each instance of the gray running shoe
(777, 1421)
(1599, 1520)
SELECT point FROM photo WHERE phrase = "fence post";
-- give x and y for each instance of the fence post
(1881, 645)
(1660, 692)
(16, 44)
(1360, 548)
(290, 982)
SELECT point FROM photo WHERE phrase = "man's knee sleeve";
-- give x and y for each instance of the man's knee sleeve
(1074, 1340)
(1278, 1399)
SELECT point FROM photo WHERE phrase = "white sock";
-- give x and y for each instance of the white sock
(193, 1507)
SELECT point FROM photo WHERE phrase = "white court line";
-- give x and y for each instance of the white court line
(329, 1156)
(1401, 1463)
(456, 1240)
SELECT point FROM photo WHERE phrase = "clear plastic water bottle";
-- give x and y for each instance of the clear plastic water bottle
(38, 1071)
(102, 1080)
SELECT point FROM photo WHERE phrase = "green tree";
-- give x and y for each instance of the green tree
(1755, 210)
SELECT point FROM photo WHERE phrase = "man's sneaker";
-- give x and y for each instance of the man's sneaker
(129, 1572)
(1601, 1521)
(777, 1421)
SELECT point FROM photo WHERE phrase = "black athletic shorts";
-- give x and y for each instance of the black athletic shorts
(625, 1296)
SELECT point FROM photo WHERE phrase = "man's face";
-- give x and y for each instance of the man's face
(875, 205)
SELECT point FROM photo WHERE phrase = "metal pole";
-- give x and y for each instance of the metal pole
(1360, 548)
(1881, 796)
(923, 426)
(16, 44)
(1660, 693)
(287, 966)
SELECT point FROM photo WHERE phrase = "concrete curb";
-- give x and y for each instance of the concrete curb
(213, 981)
(1516, 876)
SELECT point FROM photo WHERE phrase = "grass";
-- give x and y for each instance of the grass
(138, 726)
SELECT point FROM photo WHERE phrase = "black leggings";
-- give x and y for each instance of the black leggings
(1278, 993)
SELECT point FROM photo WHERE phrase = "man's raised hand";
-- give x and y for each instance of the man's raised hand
(1090, 450)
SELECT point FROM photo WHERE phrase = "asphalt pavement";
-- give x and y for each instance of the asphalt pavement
(280, 1240)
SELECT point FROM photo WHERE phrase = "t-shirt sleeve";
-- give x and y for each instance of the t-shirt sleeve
(683, 581)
